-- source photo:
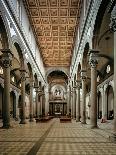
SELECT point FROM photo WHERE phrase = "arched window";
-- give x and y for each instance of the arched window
(13, 79)
(1, 70)
(108, 69)
(98, 78)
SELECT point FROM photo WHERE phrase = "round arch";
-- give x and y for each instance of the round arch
(59, 69)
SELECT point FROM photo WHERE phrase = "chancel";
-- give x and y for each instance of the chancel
(58, 77)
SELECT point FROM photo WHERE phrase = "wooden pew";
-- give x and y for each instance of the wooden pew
(65, 120)
(43, 119)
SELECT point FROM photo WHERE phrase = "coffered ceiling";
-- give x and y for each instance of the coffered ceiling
(54, 23)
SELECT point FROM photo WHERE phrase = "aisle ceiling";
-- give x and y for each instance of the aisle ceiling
(54, 23)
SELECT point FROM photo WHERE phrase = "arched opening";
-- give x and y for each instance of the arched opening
(58, 81)
(12, 104)
(110, 103)
(99, 105)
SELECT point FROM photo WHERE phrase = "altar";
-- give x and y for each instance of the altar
(57, 108)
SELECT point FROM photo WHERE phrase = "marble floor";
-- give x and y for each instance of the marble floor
(55, 138)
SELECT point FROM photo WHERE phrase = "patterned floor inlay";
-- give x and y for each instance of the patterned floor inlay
(55, 138)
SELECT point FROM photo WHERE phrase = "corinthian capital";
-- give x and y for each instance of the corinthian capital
(93, 58)
(78, 84)
(6, 58)
(83, 75)
(22, 73)
(113, 19)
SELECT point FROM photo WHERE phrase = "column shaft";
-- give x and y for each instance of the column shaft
(31, 102)
(78, 105)
(6, 59)
(68, 100)
(23, 121)
(74, 103)
(83, 116)
(71, 105)
(37, 105)
(6, 104)
(40, 109)
(93, 114)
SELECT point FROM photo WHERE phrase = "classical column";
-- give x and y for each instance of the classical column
(93, 62)
(74, 102)
(23, 79)
(78, 102)
(46, 100)
(68, 100)
(104, 104)
(31, 101)
(71, 104)
(6, 59)
(113, 28)
(83, 80)
(37, 103)
(41, 101)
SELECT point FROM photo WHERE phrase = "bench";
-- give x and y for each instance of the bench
(43, 119)
(65, 120)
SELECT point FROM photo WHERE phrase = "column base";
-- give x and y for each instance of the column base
(94, 127)
(6, 127)
(31, 120)
(83, 123)
(77, 120)
(22, 122)
(112, 138)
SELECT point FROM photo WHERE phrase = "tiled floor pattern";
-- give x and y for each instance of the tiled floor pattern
(59, 139)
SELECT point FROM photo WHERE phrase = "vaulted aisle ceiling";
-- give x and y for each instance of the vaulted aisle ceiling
(54, 23)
